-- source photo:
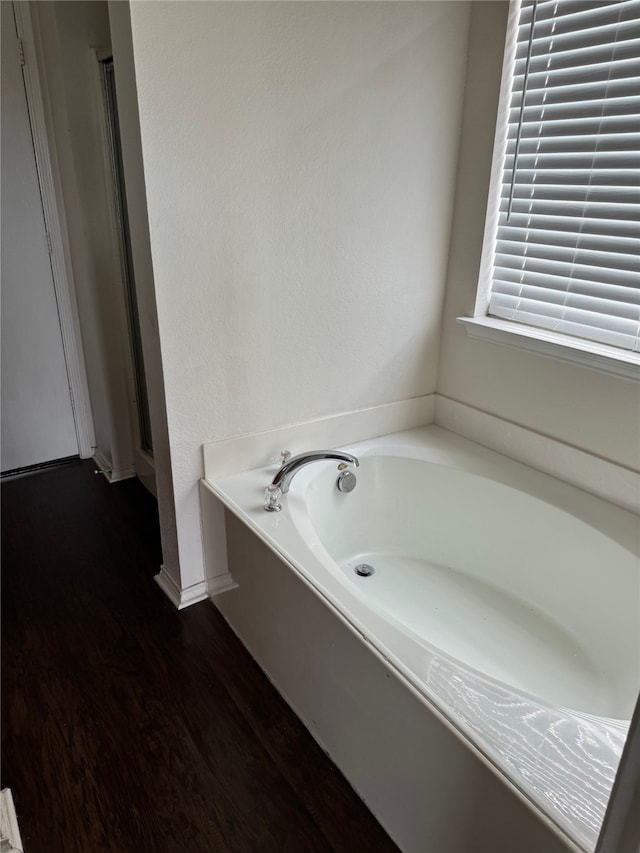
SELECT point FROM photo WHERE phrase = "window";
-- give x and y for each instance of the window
(561, 258)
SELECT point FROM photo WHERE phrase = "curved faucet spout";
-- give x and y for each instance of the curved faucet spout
(291, 467)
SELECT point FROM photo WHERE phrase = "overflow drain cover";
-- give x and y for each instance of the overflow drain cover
(364, 570)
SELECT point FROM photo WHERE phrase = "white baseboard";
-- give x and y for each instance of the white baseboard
(221, 583)
(113, 475)
(180, 598)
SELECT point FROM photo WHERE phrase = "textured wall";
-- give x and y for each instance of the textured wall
(299, 162)
(590, 410)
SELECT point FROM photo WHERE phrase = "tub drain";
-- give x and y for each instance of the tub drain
(364, 570)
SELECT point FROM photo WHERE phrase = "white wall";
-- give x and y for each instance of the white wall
(299, 162)
(591, 410)
(67, 34)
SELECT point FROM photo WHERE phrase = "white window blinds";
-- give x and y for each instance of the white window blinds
(567, 248)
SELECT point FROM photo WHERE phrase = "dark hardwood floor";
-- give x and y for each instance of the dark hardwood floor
(129, 726)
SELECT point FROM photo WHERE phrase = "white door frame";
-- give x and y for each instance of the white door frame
(57, 232)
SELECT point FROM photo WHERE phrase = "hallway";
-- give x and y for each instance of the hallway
(129, 726)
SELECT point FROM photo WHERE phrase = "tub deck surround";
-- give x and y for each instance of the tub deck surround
(501, 634)
(613, 482)
(254, 450)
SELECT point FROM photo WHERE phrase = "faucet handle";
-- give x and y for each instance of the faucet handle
(272, 495)
(280, 459)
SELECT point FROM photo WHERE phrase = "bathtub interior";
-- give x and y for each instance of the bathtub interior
(504, 582)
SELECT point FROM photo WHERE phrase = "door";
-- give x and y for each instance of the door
(37, 415)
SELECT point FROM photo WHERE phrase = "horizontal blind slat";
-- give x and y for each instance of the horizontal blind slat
(529, 264)
(577, 92)
(604, 70)
(561, 221)
(580, 56)
(622, 196)
(550, 303)
(604, 291)
(578, 256)
(600, 191)
(621, 177)
(625, 212)
(568, 143)
(589, 161)
(554, 279)
(556, 238)
(510, 282)
(615, 107)
(570, 125)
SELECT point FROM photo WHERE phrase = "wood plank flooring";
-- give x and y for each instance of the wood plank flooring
(129, 726)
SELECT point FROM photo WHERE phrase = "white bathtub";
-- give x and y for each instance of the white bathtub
(507, 598)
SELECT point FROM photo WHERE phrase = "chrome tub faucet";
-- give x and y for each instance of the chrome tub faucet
(282, 480)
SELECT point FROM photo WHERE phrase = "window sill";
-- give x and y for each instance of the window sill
(562, 347)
